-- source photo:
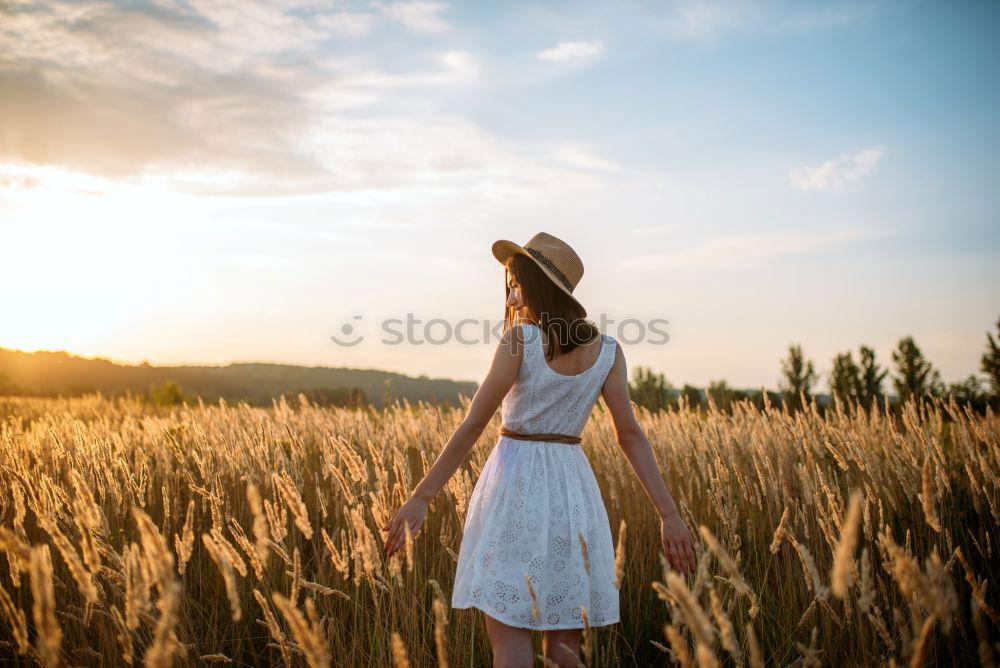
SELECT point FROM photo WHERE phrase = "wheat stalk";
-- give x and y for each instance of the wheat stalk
(679, 646)
(535, 614)
(294, 503)
(184, 542)
(49, 636)
(16, 619)
(273, 627)
(165, 645)
(620, 555)
(228, 576)
(692, 611)
(727, 634)
(248, 549)
(840, 574)
(927, 496)
(440, 621)
(730, 566)
(587, 645)
(260, 531)
(136, 587)
(583, 551)
(399, 657)
(308, 636)
(779, 533)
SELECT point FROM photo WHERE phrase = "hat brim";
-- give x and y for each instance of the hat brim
(504, 249)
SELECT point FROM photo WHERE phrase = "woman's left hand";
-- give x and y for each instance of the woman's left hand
(412, 514)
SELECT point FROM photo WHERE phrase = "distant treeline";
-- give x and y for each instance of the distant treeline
(51, 374)
(860, 383)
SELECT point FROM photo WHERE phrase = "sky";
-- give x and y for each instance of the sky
(214, 182)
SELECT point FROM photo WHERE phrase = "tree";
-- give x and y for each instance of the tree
(387, 392)
(168, 394)
(799, 376)
(991, 363)
(845, 379)
(7, 385)
(649, 389)
(915, 376)
(762, 398)
(351, 397)
(724, 396)
(692, 395)
(969, 391)
(872, 376)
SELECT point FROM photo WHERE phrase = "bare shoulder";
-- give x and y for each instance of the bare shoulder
(499, 379)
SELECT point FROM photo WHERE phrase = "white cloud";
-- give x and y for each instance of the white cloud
(172, 97)
(582, 156)
(836, 174)
(572, 51)
(462, 64)
(737, 251)
(703, 18)
(418, 15)
(444, 153)
(709, 19)
(458, 67)
(18, 179)
(347, 24)
(392, 156)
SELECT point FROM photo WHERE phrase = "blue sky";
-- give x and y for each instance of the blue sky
(230, 181)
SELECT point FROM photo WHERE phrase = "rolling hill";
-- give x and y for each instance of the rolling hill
(59, 373)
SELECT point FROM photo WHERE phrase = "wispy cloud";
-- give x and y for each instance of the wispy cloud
(710, 19)
(838, 173)
(419, 15)
(700, 19)
(583, 156)
(249, 99)
(736, 251)
(565, 51)
(455, 67)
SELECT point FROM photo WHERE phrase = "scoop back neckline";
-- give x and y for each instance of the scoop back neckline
(541, 348)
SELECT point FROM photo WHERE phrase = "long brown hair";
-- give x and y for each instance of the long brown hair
(553, 310)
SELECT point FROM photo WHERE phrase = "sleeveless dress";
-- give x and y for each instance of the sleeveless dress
(534, 499)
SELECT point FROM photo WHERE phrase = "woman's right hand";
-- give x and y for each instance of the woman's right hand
(411, 514)
(678, 545)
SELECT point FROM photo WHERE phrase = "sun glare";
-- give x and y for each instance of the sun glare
(81, 258)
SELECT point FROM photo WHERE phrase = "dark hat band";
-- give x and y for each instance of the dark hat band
(550, 266)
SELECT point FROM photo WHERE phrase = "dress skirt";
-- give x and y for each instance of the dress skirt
(531, 504)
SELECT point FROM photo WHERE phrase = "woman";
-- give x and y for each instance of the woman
(536, 513)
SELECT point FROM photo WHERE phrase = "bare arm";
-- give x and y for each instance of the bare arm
(498, 381)
(677, 540)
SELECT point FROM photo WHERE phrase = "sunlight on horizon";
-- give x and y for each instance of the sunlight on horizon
(93, 254)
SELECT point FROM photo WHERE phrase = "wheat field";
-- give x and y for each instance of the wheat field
(227, 534)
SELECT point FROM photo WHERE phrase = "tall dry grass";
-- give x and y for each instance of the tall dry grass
(210, 534)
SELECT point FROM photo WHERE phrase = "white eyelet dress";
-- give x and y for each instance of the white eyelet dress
(532, 501)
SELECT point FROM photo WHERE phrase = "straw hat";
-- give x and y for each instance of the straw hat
(554, 256)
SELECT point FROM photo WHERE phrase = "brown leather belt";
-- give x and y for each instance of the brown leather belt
(559, 438)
